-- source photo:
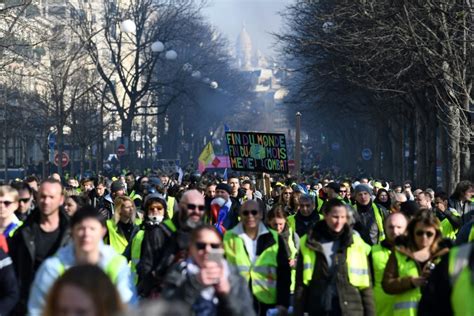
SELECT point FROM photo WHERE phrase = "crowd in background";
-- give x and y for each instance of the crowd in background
(205, 245)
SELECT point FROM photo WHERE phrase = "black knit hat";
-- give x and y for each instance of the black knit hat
(223, 186)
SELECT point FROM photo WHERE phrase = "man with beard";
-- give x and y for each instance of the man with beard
(171, 243)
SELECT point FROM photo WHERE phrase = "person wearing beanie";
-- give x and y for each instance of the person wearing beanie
(224, 212)
(369, 216)
(145, 244)
(117, 188)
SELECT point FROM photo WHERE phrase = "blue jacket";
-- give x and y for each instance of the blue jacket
(51, 268)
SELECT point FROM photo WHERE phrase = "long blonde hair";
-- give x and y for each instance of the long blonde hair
(119, 202)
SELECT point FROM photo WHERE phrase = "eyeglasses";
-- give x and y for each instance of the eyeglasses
(24, 200)
(7, 203)
(203, 245)
(247, 213)
(305, 205)
(194, 206)
(287, 193)
(420, 233)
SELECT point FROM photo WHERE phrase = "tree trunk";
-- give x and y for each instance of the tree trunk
(444, 157)
(465, 140)
(82, 160)
(431, 142)
(454, 132)
(60, 148)
(411, 151)
(420, 151)
(71, 163)
(126, 159)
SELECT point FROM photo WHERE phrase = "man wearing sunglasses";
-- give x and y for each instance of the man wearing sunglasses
(172, 242)
(25, 202)
(260, 256)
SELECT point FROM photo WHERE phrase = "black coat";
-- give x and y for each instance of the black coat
(180, 285)
(436, 294)
(350, 300)
(22, 251)
(161, 248)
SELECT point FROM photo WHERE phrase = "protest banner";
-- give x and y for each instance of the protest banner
(257, 152)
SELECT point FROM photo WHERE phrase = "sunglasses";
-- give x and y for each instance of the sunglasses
(24, 200)
(203, 245)
(247, 213)
(159, 208)
(7, 203)
(194, 206)
(420, 233)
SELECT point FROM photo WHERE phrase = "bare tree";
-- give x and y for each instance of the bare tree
(419, 54)
(126, 60)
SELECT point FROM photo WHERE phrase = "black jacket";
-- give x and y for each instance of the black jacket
(9, 292)
(102, 203)
(161, 248)
(436, 295)
(181, 285)
(153, 240)
(348, 299)
(22, 251)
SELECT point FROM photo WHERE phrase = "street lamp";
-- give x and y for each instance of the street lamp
(157, 47)
(128, 26)
(171, 55)
(298, 145)
(196, 74)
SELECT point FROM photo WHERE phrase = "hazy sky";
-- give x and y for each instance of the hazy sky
(260, 18)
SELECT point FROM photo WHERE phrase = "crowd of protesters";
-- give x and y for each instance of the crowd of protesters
(234, 246)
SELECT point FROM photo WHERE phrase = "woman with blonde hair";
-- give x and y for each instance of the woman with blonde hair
(83, 290)
(411, 262)
(9, 201)
(122, 227)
